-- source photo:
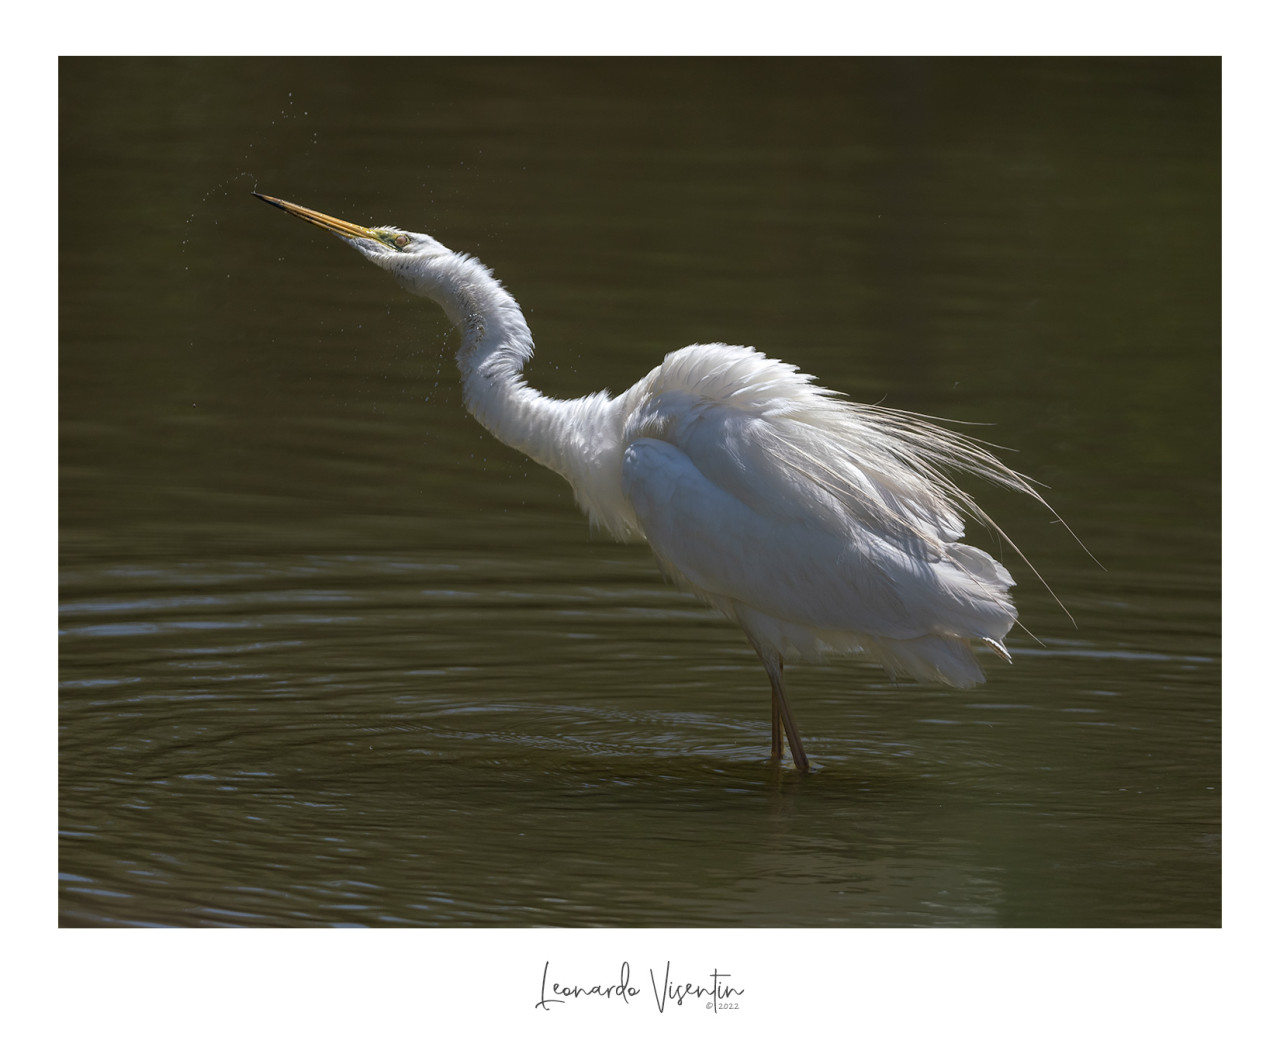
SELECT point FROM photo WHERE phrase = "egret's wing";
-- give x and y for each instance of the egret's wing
(785, 568)
(756, 510)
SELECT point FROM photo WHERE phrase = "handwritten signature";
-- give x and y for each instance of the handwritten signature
(719, 994)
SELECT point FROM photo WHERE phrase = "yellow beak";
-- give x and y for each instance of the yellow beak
(333, 225)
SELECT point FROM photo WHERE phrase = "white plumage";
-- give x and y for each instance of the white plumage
(820, 526)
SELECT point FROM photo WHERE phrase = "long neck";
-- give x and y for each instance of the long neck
(579, 439)
(496, 344)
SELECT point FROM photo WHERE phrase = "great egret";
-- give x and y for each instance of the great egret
(818, 525)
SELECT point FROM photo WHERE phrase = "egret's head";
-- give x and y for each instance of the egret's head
(407, 256)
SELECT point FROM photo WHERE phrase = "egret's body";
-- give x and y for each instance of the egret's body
(818, 525)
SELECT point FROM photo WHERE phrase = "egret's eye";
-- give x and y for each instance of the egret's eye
(397, 240)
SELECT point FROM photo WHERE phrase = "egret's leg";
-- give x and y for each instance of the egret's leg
(782, 712)
(775, 719)
(775, 741)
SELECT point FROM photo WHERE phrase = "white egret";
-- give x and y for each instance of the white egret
(818, 525)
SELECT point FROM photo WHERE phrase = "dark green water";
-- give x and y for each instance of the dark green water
(330, 654)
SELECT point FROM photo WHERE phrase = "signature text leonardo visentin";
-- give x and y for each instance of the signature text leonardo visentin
(717, 993)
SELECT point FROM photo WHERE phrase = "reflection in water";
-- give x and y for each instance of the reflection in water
(330, 655)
